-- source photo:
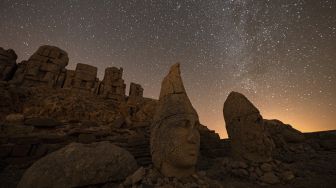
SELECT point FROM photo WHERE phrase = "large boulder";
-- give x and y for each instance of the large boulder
(78, 165)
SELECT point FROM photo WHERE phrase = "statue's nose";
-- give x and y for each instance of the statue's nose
(193, 136)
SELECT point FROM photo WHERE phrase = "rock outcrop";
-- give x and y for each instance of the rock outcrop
(79, 165)
(7, 64)
(113, 86)
(46, 67)
(136, 91)
(84, 78)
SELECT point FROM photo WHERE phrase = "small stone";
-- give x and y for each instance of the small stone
(287, 175)
(258, 172)
(266, 167)
(242, 164)
(240, 172)
(15, 118)
(269, 178)
(253, 176)
(138, 175)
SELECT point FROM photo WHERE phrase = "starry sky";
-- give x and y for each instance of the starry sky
(281, 54)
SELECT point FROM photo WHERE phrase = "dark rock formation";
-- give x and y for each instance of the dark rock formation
(76, 107)
(113, 86)
(136, 91)
(46, 67)
(84, 78)
(7, 64)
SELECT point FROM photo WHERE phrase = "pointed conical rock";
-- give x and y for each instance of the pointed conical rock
(173, 97)
(244, 124)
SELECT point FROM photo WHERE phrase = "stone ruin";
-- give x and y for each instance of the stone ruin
(113, 86)
(46, 67)
(84, 78)
(7, 64)
(135, 91)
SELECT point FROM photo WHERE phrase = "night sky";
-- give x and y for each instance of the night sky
(281, 54)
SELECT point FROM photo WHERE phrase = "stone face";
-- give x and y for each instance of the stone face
(84, 78)
(113, 86)
(7, 64)
(78, 165)
(135, 91)
(244, 124)
(44, 68)
(175, 137)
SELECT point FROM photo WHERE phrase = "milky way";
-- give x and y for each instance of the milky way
(280, 54)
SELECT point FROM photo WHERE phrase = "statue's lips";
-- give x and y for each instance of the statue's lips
(192, 152)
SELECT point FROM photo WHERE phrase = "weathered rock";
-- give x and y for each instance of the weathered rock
(244, 124)
(113, 86)
(269, 178)
(84, 78)
(7, 64)
(279, 130)
(46, 67)
(15, 118)
(287, 175)
(136, 91)
(78, 165)
(266, 167)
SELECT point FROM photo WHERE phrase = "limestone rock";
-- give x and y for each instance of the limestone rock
(78, 165)
(244, 124)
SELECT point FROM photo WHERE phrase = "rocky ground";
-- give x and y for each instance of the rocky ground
(38, 123)
(67, 128)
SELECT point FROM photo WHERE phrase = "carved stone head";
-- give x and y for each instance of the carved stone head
(245, 126)
(175, 137)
